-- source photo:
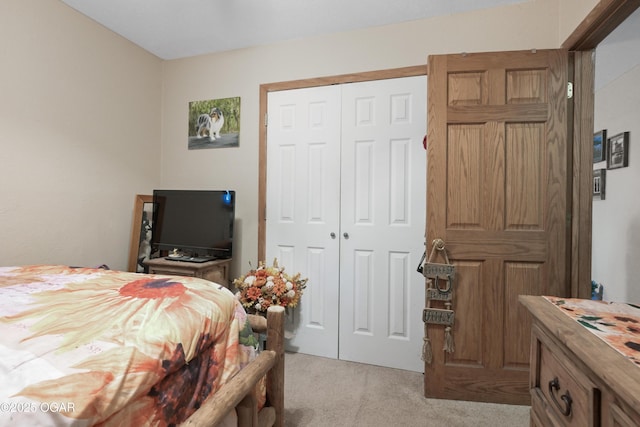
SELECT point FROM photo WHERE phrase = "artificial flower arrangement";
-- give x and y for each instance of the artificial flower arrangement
(265, 286)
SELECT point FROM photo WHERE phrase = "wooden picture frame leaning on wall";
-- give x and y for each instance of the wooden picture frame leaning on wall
(142, 203)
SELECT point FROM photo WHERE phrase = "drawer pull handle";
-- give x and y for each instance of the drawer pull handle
(554, 385)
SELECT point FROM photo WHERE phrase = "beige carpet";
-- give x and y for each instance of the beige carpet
(322, 392)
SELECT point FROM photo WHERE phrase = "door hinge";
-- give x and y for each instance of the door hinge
(569, 90)
(266, 119)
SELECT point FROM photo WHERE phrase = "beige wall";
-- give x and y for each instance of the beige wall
(616, 220)
(571, 13)
(88, 120)
(79, 135)
(240, 73)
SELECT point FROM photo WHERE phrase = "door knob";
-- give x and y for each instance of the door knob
(345, 235)
(333, 235)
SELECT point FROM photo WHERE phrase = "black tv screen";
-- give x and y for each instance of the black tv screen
(196, 223)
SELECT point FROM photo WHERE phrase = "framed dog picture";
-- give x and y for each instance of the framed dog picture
(214, 123)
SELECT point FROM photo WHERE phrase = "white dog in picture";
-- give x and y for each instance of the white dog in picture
(210, 124)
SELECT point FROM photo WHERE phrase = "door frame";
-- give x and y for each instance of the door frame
(418, 70)
(581, 43)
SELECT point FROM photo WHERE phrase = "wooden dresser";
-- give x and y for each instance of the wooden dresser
(215, 271)
(576, 377)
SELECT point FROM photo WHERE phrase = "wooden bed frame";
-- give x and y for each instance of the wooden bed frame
(239, 392)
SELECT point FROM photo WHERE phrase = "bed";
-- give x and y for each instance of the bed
(93, 346)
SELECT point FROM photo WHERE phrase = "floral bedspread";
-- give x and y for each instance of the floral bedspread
(618, 324)
(81, 346)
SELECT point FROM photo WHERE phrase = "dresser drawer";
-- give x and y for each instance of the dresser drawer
(172, 272)
(568, 396)
(215, 271)
(217, 276)
(614, 416)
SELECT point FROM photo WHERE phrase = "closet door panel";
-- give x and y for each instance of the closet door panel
(383, 193)
(303, 188)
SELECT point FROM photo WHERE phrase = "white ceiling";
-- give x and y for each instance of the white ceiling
(173, 29)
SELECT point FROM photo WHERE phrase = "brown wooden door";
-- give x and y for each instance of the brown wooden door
(497, 188)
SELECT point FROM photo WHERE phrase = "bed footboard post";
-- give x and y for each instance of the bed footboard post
(275, 377)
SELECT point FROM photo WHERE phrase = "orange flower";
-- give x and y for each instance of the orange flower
(253, 293)
(279, 288)
(153, 288)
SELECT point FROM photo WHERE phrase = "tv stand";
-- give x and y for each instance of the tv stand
(215, 271)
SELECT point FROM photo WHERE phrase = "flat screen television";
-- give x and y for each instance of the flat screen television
(193, 225)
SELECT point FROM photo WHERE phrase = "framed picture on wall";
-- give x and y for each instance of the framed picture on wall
(618, 151)
(599, 146)
(599, 181)
(214, 123)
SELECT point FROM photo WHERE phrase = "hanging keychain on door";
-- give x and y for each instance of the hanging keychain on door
(438, 287)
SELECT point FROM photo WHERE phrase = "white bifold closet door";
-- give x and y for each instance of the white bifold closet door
(346, 190)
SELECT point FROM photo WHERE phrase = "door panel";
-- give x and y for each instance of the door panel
(383, 196)
(497, 195)
(303, 149)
